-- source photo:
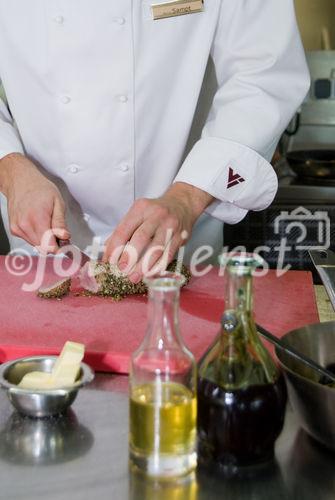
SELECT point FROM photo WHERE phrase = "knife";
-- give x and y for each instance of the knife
(324, 262)
(73, 251)
(86, 278)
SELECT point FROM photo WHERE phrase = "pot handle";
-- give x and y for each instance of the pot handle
(324, 262)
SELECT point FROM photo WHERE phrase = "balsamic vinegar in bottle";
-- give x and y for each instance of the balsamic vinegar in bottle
(241, 393)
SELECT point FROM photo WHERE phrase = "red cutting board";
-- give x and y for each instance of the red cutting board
(112, 330)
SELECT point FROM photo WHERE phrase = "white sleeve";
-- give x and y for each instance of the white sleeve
(10, 141)
(263, 78)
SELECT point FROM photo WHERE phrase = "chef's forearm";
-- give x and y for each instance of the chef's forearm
(194, 197)
(17, 168)
(9, 166)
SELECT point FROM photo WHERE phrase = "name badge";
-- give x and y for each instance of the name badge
(176, 8)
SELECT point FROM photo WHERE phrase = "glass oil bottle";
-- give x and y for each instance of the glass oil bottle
(163, 406)
(241, 393)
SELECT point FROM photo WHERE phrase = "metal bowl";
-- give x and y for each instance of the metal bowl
(313, 402)
(39, 403)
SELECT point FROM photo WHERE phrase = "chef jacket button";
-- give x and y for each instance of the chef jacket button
(122, 98)
(124, 167)
(59, 19)
(119, 20)
(65, 99)
(86, 217)
(73, 169)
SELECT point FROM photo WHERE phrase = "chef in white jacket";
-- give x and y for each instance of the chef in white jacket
(100, 98)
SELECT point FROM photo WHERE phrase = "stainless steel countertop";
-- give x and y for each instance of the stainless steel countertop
(84, 456)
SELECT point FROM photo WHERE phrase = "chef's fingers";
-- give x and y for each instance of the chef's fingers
(116, 243)
(43, 240)
(24, 231)
(157, 255)
(168, 255)
(112, 253)
(46, 242)
(30, 226)
(138, 243)
(154, 250)
(38, 232)
(35, 224)
(58, 224)
(49, 225)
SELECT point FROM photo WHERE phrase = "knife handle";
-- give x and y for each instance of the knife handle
(62, 243)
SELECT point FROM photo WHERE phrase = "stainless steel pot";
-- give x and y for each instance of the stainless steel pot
(313, 402)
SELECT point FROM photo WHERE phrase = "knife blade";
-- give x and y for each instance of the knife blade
(324, 262)
(74, 251)
(86, 278)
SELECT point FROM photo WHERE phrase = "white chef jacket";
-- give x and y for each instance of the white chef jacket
(102, 98)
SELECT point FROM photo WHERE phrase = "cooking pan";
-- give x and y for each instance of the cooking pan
(318, 164)
(313, 402)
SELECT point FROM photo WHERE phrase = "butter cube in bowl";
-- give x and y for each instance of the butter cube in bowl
(42, 386)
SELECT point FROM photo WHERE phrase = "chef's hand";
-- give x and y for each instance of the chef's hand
(35, 205)
(153, 230)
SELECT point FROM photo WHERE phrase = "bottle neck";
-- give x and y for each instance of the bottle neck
(238, 358)
(163, 329)
(238, 294)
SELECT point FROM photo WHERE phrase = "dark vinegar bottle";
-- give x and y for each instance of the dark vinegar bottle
(241, 393)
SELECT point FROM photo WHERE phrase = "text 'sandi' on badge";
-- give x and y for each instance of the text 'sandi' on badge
(176, 8)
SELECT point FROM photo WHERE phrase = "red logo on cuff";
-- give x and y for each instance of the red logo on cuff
(234, 179)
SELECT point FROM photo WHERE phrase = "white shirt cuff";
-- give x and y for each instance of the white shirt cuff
(226, 212)
(237, 176)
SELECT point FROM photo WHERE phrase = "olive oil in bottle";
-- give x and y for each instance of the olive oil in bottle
(164, 418)
(163, 407)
